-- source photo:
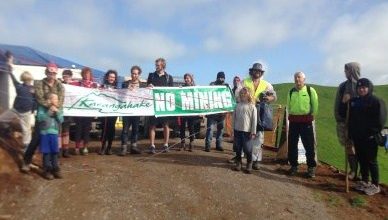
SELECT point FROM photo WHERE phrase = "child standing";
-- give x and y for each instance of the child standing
(50, 120)
(245, 122)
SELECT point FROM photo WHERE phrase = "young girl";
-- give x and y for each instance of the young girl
(108, 123)
(245, 122)
(50, 120)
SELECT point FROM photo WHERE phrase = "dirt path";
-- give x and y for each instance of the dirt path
(176, 185)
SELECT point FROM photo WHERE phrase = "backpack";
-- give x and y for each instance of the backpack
(308, 92)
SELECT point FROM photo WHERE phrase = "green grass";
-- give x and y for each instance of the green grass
(357, 201)
(328, 148)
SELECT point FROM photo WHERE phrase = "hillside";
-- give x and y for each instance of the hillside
(329, 150)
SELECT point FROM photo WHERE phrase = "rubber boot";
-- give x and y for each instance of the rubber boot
(191, 146)
(123, 150)
(248, 169)
(134, 149)
(353, 164)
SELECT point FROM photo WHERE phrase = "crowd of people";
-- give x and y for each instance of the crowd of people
(359, 114)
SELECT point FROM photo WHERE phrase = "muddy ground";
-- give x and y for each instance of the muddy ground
(177, 185)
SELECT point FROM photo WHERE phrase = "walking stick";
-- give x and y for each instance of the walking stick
(346, 146)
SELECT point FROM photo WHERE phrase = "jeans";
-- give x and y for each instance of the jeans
(129, 121)
(306, 132)
(241, 139)
(209, 135)
(50, 162)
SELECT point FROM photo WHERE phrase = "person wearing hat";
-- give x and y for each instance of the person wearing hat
(48, 85)
(217, 119)
(347, 90)
(367, 117)
(258, 86)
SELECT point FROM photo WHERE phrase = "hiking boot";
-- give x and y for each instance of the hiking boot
(238, 166)
(248, 169)
(47, 175)
(25, 168)
(372, 189)
(207, 149)
(84, 151)
(292, 171)
(152, 150)
(65, 153)
(255, 165)
(108, 150)
(123, 150)
(57, 175)
(165, 149)
(190, 147)
(134, 149)
(362, 186)
(310, 172)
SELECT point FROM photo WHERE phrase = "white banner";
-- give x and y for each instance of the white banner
(80, 101)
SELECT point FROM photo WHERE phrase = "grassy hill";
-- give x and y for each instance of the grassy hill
(329, 149)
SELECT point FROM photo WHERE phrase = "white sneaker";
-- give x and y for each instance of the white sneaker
(361, 186)
(372, 189)
(85, 151)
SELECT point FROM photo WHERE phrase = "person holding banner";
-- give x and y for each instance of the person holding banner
(128, 121)
(108, 123)
(43, 88)
(65, 129)
(258, 86)
(217, 119)
(302, 105)
(159, 78)
(189, 120)
(83, 124)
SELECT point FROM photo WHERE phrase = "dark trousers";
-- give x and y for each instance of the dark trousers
(108, 129)
(366, 152)
(127, 123)
(305, 131)
(82, 130)
(31, 148)
(50, 162)
(190, 121)
(241, 139)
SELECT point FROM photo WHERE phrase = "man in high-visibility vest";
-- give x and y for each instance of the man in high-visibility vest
(262, 91)
(302, 105)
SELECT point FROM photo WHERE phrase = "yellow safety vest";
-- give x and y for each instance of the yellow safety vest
(261, 88)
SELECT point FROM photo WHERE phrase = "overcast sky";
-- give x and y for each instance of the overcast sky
(206, 36)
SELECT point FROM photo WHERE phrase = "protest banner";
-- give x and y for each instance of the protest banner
(159, 101)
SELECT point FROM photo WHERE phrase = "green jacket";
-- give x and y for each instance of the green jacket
(300, 103)
(49, 124)
(43, 89)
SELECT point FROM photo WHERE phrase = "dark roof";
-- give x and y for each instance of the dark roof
(27, 56)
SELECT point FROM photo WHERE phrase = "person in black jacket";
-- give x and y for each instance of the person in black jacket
(366, 118)
(109, 122)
